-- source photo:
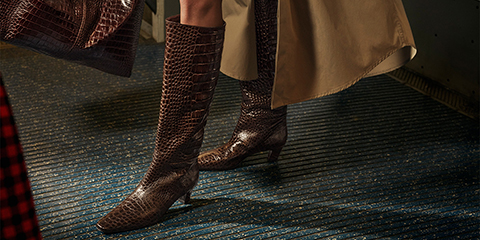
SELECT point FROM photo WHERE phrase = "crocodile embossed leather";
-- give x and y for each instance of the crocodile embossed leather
(259, 128)
(102, 34)
(191, 68)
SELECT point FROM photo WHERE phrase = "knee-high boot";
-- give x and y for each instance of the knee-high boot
(259, 127)
(191, 67)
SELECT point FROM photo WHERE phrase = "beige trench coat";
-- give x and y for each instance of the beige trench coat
(323, 47)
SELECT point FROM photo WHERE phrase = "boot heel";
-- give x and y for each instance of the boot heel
(274, 154)
(185, 199)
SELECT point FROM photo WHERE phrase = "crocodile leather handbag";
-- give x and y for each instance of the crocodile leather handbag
(102, 34)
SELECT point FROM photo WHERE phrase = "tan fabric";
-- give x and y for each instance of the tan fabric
(323, 46)
(239, 58)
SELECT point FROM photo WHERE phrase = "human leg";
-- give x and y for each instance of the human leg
(259, 127)
(201, 13)
(191, 67)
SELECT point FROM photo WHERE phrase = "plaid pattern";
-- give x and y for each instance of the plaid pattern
(17, 212)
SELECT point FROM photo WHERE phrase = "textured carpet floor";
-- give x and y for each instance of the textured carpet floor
(376, 161)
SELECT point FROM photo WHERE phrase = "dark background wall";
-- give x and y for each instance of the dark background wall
(447, 36)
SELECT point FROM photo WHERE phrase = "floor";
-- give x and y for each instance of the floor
(376, 161)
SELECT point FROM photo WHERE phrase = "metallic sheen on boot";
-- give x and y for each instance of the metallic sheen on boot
(259, 128)
(192, 61)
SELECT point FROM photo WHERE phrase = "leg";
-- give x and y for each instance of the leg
(259, 127)
(201, 13)
(191, 67)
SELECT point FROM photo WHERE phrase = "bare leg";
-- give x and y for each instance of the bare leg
(201, 13)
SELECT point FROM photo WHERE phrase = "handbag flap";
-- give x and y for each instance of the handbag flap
(113, 13)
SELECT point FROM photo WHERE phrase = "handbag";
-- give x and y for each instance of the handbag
(102, 34)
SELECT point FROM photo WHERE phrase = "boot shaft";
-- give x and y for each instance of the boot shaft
(191, 68)
(258, 93)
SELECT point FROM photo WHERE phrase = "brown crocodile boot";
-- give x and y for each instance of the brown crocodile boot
(191, 67)
(259, 128)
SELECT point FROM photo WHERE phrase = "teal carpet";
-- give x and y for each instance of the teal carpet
(376, 161)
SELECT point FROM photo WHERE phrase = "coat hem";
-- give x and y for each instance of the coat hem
(238, 77)
(278, 103)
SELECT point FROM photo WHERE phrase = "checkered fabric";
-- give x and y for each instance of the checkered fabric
(17, 212)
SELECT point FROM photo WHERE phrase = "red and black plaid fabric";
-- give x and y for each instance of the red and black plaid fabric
(17, 212)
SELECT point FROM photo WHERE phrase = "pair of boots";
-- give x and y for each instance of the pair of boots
(191, 68)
